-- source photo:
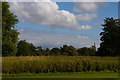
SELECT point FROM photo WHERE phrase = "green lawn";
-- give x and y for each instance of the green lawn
(64, 75)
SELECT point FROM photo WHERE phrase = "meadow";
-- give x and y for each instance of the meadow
(52, 64)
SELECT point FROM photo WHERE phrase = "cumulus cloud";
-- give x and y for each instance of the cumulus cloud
(87, 6)
(85, 17)
(83, 6)
(47, 13)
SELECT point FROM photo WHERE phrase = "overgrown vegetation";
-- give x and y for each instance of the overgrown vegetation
(45, 64)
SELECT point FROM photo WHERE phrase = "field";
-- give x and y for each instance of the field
(47, 64)
(51, 67)
(64, 75)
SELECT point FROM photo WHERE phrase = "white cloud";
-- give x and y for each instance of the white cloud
(46, 13)
(52, 39)
(86, 17)
(87, 6)
(82, 37)
(87, 10)
(84, 27)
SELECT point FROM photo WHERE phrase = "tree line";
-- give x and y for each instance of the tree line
(110, 37)
(28, 49)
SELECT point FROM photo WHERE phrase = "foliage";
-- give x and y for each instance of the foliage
(28, 49)
(86, 51)
(9, 35)
(45, 64)
(25, 49)
(69, 50)
(47, 52)
(55, 51)
(0, 28)
(110, 38)
(39, 51)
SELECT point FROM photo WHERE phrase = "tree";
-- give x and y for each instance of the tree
(0, 41)
(55, 51)
(69, 50)
(26, 49)
(92, 50)
(39, 51)
(110, 37)
(9, 34)
(47, 52)
(86, 51)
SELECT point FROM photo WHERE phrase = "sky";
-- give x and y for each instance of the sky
(54, 24)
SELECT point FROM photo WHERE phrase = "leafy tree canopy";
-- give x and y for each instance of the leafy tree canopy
(110, 37)
(69, 50)
(25, 49)
(9, 35)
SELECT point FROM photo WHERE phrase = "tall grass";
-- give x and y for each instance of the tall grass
(45, 64)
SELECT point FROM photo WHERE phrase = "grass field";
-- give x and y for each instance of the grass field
(64, 75)
(47, 64)
(60, 68)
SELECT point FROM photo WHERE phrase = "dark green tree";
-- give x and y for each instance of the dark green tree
(86, 51)
(69, 50)
(9, 34)
(0, 42)
(26, 49)
(83, 51)
(92, 50)
(110, 37)
(47, 52)
(55, 51)
(40, 51)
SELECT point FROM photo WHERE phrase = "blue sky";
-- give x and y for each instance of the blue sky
(56, 24)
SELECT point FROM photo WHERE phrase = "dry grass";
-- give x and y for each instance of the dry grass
(40, 64)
